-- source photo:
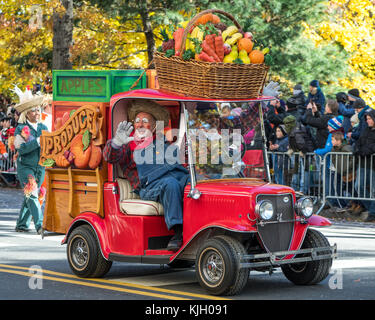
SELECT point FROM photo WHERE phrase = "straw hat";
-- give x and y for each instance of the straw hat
(27, 100)
(151, 107)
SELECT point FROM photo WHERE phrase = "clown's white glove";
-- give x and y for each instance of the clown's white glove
(272, 89)
(123, 132)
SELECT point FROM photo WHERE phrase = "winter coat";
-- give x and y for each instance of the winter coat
(297, 102)
(283, 144)
(362, 125)
(365, 146)
(318, 98)
(347, 111)
(300, 139)
(320, 122)
(276, 115)
(343, 163)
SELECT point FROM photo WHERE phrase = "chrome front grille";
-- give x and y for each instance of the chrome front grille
(276, 234)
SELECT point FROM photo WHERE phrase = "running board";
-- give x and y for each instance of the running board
(156, 259)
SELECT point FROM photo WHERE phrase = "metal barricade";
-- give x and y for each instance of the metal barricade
(302, 172)
(8, 167)
(347, 177)
(334, 179)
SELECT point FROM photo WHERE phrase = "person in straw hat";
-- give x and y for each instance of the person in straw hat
(30, 173)
(151, 170)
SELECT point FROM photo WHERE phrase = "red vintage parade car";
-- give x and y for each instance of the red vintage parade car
(234, 219)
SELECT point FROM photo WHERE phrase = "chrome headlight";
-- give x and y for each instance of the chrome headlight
(305, 207)
(264, 209)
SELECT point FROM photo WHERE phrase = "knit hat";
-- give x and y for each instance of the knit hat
(314, 83)
(336, 123)
(353, 93)
(283, 129)
(290, 123)
(341, 97)
(359, 103)
(354, 119)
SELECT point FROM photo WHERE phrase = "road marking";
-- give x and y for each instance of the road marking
(9, 210)
(175, 278)
(113, 282)
(89, 284)
(353, 263)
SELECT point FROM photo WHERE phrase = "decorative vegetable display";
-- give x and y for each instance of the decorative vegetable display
(61, 161)
(77, 143)
(211, 40)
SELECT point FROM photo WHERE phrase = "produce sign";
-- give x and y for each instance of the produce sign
(82, 86)
(208, 58)
(77, 142)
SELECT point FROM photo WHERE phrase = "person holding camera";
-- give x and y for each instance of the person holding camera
(345, 109)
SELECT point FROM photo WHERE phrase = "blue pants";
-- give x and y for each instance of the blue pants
(168, 190)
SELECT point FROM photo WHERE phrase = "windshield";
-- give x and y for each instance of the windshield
(226, 140)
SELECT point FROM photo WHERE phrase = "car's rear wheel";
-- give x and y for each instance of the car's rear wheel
(84, 256)
(311, 272)
(218, 266)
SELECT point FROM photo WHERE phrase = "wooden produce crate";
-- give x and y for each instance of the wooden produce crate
(70, 193)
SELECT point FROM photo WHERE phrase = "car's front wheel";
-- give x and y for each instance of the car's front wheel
(311, 272)
(218, 266)
(84, 256)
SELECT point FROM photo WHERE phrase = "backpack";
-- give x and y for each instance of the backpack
(300, 139)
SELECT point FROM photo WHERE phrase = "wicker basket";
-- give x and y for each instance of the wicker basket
(215, 80)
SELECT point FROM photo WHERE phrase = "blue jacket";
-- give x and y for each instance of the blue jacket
(319, 98)
(357, 131)
(327, 148)
(283, 144)
(347, 111)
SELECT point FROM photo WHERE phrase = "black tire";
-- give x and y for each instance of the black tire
(311, 272)
(84, 255)
(217, 266)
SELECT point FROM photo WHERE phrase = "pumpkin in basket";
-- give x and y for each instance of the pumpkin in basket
(256, 56)
(245, 44)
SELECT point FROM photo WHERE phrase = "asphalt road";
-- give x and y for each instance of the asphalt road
(32, 268)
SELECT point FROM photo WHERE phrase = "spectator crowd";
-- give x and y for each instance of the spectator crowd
(317, 126)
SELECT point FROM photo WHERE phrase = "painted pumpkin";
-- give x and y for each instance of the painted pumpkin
(81, 158)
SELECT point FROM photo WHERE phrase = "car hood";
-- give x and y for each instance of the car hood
(241, 187)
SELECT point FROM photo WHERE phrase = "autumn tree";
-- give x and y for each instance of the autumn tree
(351, 25)
(62, 36)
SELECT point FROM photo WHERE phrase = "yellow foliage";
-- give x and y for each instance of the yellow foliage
(99, 41)
(353, 27)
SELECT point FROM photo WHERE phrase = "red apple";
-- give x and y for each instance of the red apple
(227, 48)
(248, 35)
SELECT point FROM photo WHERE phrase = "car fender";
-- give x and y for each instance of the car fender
(319, 221)
(98, 226)
(192, 244)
